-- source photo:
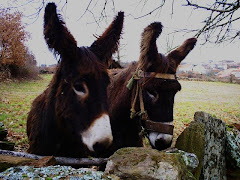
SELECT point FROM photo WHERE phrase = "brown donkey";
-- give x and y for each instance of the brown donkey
(153, 85)
(70, 118)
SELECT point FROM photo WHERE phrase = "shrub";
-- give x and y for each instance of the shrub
(16, 61)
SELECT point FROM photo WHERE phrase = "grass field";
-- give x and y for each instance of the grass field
(222, 100)
(15, 103)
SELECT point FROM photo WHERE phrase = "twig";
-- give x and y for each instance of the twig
(149, 13)
(234, 7)
(85, 9)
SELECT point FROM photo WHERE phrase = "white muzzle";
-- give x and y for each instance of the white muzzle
(99, 132)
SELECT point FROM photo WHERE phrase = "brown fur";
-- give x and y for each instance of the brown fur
(126, 130)
(108, 43)
(59, 115)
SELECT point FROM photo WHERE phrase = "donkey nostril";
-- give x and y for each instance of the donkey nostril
(101, 146)
(98, 147)
(161, 144)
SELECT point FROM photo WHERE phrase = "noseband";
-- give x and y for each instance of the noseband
(145, 122)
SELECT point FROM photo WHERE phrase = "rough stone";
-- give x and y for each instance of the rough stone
(3, 132)
(145, 163)
(190, 159)
(192, 140)
(4, 144)
(214, 163)
(233, 152)
(7, 145)
(54, 172)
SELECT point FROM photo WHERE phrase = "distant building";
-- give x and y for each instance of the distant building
(226, 64)
(221, 69)
(237, 74)
(199, 69)
(222, 66)
(43, 65)
(185, 67)
(228, 72)
(52, 65)
(226, 61)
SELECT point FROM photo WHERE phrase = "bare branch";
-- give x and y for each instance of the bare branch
(218, 24)
(149, 13)
(103, 10)
(234, 7)
(113, 4)
(87, 9)
(172, 7)
(16, 7)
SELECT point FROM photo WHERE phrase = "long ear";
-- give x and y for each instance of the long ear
(108, 42)
(56, 34)
(182, 51)
(148, 48)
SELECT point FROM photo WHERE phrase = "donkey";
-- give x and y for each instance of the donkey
(70, 118)
(157, 86)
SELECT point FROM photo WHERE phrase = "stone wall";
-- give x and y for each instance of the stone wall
(207, 149)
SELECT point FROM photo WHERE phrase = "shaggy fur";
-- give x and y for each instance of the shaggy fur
(160, 108)
(59, 115)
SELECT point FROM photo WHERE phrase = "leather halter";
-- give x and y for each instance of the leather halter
(145, 122)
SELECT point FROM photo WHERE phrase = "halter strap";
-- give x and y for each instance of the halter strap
(137, 92)
(143, 74)
(138, 74)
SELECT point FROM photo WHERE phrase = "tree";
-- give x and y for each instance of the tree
(219, 25)
(14, 55)
(12, 38)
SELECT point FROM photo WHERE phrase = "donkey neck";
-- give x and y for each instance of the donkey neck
(119, 95)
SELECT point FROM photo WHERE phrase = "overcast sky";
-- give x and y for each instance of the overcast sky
(83, 29)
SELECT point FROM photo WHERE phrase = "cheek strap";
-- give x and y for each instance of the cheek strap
(158, 127)
(137, 93)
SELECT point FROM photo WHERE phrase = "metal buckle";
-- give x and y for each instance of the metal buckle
(140, 73)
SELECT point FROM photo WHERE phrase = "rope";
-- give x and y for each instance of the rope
(143, 113)
(133, 111)
(137, 91)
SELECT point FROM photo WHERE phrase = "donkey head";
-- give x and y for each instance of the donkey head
(158, 94)
(79, 86)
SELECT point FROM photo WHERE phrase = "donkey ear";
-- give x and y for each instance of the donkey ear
(56, 34)
(182, 51)
(148, 48)
(108, 42)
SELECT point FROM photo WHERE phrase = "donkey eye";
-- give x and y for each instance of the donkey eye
(152, 94)
(81, 89)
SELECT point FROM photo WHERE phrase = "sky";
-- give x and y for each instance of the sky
(83, 27)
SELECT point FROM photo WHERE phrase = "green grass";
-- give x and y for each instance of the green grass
(219, 99)
(222, 100)
(15, 103)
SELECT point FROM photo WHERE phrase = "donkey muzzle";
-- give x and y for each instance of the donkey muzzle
(160, 141)
(160, 135)
(98, 137)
